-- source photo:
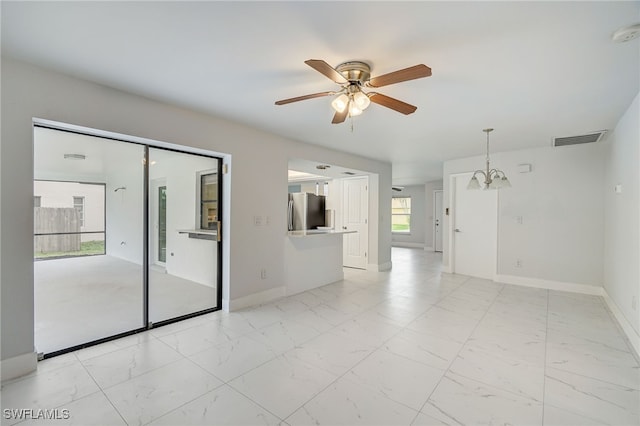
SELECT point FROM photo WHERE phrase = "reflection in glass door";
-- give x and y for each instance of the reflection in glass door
(162, 224)
(187, 235)
(88, 239)
(126, 237)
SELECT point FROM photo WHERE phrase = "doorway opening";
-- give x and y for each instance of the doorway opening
(125, 252)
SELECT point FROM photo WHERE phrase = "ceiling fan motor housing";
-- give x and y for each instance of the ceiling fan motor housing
(355, 71)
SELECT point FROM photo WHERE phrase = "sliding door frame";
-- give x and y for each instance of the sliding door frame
(147, 325)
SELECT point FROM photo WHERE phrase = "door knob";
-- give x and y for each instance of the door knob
(344, 227)
(457, 230)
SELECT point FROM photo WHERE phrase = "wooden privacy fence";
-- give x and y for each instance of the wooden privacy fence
(50, 220)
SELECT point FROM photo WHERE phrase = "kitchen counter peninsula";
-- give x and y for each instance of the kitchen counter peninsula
(313, 259)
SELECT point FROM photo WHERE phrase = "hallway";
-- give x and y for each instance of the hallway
(409, 346)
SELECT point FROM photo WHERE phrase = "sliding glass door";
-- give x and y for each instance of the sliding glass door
(88, 239)
(184, 277)
(125, 238)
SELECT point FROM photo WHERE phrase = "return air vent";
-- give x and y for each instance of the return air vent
(580, 139)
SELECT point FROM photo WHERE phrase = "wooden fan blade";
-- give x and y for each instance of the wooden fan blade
(302, 98)
(327, 70)
(411, 73)
(339, 117)
(392, 103)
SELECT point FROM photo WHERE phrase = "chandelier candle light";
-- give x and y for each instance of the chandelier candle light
(493, 178)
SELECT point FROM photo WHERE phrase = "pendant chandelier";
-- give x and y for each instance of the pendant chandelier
(492, 178)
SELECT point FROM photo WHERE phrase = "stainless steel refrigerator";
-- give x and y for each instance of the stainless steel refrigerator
(306, 211)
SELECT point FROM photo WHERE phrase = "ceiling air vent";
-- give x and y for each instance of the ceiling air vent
(580, 139)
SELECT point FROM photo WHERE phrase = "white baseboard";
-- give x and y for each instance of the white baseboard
(407, 244)
(429, 249)
(629, 331)
(254, 299)
(549, 284)
(18, 365)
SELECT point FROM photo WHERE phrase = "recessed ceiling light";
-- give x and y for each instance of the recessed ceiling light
(323, 166)
(626, 33)
(74, 156)
(348, 173)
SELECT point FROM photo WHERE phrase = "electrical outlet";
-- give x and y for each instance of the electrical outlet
(257, 220)
(518, 263)
(263, 274)
(519, 220)
(634, 303)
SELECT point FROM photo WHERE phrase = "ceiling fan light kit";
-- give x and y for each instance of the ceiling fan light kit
(353, 76)
(492, 178)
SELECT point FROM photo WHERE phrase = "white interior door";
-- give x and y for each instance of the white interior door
(475, 225)
(355, 217)
(437, 221)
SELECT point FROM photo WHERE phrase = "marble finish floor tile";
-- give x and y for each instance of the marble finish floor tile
(596, 361)
(513, 346)
(512, 323)
(92, 410)
(507, 373)
(424, 348)
(397, 378)
(221, 406)
(370, 332)
(50, 389)
(284, 335)
(333, 353)
(233, 359)
(122, 365)
(154, 394)
(444, 323)
(461, 401)
(198, 338)
(408, 346)
(424, 420)
(602, 402)
(347, 403)
(283, 384)
(554, 416)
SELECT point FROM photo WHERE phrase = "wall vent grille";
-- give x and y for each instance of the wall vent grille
(580, 139)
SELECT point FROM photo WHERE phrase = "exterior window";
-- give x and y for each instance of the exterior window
(78, 204)
(401, 214)
(37, 201)
(208, 201)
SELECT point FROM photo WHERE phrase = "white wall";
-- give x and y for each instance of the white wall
(416, 236)
(561, 237)
(622, 216)
(29, 92)
(429, 188)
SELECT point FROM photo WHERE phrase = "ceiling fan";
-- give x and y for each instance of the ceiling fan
(353, 77)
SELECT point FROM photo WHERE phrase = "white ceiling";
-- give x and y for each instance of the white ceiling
(531, 70)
